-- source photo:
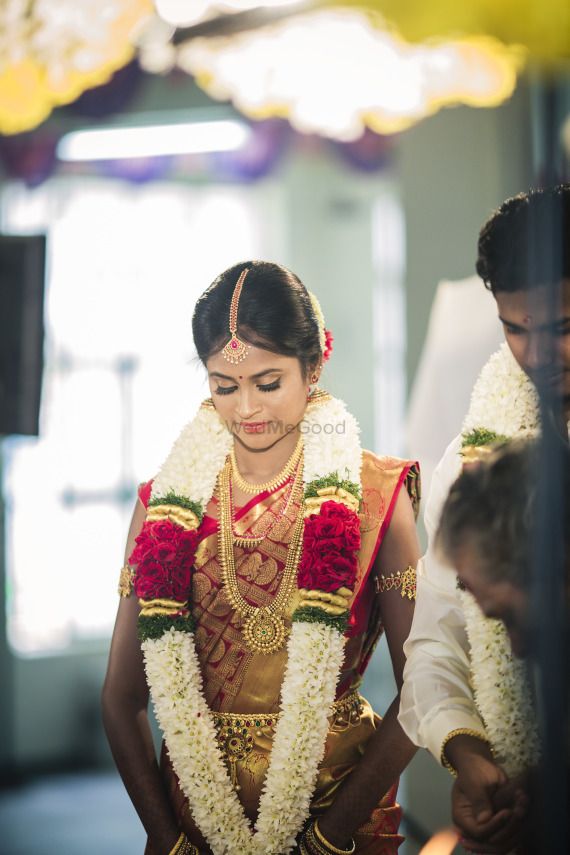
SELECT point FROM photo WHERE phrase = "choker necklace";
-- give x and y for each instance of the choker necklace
(278, 481)
(264, 630)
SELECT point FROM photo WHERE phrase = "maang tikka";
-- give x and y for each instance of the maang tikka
(235, 350)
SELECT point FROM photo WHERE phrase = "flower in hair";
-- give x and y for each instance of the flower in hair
(328, 349)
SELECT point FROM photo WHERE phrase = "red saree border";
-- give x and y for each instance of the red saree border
(406, 469)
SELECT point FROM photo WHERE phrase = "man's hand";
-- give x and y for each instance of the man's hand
(486, 807)
(477, 773)
(505, 829)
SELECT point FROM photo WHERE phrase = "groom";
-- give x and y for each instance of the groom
(438, 711)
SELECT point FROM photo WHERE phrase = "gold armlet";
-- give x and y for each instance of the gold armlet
(460, 731)
(405, 581)
(125, 586)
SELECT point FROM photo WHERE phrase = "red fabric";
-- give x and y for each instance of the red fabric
(144, 492)
(360, 608)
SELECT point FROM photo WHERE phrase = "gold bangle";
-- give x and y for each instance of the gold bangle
(311, 843)
(460, 731)
(125, 581)
(405, 581)
(178, 846)
(184, 847)
(328, 846)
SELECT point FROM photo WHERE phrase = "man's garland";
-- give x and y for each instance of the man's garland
(164, 559)
(504, 404)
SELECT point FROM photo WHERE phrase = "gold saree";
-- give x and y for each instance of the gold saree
(243, 688)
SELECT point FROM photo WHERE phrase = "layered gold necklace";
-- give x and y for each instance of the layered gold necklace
(264, 628)
(279, 510)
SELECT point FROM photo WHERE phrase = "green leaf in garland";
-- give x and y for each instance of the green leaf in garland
(181, 502)
(157, 625)
(309, 614)
(332, 480)
(482, 436)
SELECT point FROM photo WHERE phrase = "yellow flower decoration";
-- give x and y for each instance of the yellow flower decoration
(46, 64)
(542, 29)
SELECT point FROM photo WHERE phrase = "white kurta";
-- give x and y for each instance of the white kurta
(436, 696)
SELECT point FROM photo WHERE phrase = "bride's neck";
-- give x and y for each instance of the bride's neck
(261, 465)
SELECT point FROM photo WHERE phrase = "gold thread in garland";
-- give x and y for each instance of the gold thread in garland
(332, 480)
(313, 504)
(174, 499)
(324, 605)
(182, 517)
(311, 614)
(339, 599)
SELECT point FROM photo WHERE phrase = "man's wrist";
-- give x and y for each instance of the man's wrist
(461, 745)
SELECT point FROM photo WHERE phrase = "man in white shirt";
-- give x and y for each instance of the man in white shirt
(438, 711)
(487, 530)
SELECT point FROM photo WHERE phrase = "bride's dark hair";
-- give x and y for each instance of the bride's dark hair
(275, 313)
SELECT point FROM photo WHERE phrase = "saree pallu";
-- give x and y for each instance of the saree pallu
(242, 688)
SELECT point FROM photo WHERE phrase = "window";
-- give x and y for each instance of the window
(388, 251)
(125, 266)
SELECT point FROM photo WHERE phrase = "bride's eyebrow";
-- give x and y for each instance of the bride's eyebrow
(261, 374)
(221, 376)
(258, 376)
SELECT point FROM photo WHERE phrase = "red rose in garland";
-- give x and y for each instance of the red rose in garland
(331, 541)
(164, 557)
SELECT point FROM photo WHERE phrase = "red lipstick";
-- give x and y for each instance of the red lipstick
(253, 427)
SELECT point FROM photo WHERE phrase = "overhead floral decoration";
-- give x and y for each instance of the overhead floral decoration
(366, 74)
(51, 52)
(542, 29)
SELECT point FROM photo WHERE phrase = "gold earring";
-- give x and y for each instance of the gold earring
(314, 378)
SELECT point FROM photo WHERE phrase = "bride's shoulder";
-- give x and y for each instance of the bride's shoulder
(387, 473)
(384, 462)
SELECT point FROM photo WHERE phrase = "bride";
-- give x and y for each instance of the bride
(264, 560)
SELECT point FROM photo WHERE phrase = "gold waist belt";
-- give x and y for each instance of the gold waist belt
(237, 732)
(349, 706)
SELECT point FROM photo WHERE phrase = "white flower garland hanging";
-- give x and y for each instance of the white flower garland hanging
(504, 404)
(315, 649)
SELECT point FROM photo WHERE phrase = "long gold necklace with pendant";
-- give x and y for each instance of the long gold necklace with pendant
(264, 629)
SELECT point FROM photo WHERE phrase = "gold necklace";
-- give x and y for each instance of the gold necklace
(293, 495)
(277, 481)
(264, 629)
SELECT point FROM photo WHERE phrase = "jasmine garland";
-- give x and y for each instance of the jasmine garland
(504, 404)
(181, 491)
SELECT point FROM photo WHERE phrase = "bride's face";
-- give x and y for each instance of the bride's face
(262, 399)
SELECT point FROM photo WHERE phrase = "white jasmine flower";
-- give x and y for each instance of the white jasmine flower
(503, 401)
(315, 655)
